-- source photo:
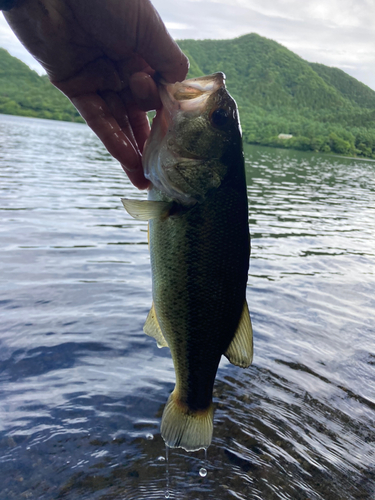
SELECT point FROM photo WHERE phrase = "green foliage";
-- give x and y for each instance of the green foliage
(348, 86)
(277, 92)
(194, 69)
(23, 92)
(263, 72)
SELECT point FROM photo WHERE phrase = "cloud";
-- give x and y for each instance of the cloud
(177, 26)
(336, 32)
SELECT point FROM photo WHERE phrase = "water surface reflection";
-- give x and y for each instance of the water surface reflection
(82, 388)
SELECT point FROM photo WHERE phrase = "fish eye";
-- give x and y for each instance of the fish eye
(219, 117)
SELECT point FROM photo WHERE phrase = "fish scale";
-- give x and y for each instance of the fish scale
(200, 298)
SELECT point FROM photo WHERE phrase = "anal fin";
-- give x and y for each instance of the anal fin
(240, 350)
(152, 328)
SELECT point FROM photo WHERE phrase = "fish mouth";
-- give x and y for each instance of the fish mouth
(190, 95)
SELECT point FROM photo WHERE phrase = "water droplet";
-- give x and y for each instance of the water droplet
(149, 436)
(167, 470)
(203, 472)
(161, 459)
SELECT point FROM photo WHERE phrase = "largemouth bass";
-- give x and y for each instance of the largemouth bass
(199, 246)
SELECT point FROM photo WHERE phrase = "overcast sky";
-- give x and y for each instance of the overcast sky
(338, 33)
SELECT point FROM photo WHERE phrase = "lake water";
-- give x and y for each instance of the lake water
(83, 388)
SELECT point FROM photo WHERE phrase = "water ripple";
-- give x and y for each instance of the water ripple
(83, 389)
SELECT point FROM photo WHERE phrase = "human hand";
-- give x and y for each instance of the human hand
(103, 56)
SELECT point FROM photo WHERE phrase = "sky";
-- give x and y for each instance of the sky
(338, 33)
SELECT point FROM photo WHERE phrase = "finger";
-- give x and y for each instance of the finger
(133, 121)
(138, 120)
(140, 125)
(99, 118)
(144, 91)
(97, 75)
(119, 112)
(135, 25)
(158, 48)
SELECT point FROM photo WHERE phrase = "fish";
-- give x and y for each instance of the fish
(199, 241)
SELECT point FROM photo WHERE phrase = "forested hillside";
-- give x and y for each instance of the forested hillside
(277, 92)
(24, 92)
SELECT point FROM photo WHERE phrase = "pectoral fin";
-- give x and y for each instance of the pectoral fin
(146, 209)
(240, 350)
(152, 328)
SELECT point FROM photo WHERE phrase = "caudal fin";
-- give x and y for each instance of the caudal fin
(184, 428)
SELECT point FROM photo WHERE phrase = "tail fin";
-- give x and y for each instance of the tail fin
(184, 428)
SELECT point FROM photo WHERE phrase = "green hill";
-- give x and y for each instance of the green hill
(262, 72)
(346, 85)
(24, 92)
(277, 92)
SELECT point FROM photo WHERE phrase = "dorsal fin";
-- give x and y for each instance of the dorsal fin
(240, 350)
(152, 328)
